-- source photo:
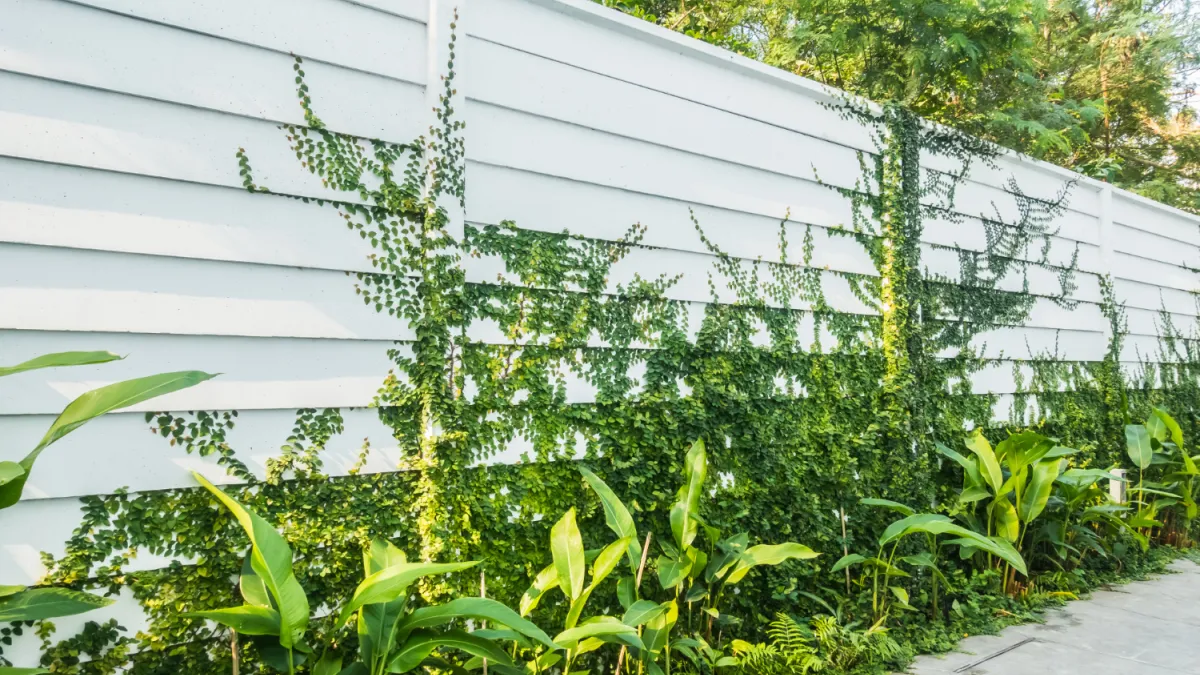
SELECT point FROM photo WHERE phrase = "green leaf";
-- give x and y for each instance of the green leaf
(423, 643)
(1004, 519)
(970, 465)
(616, 516)
(608, 559)
(330, 664)
(247, 619)
(671, 571)
(35, 604)
(1081, 478)
(626, 592)
(91, 405)
(887, 504)
(1037, 493)
(600, 629)
(769, 554)
(566, 547)
(393, 582)
(6, 591)
(846, 561)
(253, 588)
(271, 559)
(990, 470)
(1137, 444)
(10, 471)
(7, 670)
(900, 593)
(1172, 427)
(546, 580)
(59, 360)
(479, 609)
(905, 525)
(687, 504)
(643, 611)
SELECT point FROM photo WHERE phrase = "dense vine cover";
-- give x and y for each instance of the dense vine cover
(805, 409)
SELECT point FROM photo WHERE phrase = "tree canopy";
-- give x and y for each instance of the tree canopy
(1097, 86)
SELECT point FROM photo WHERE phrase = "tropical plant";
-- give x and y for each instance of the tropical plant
(1159, 443)
(932, 526)
(1081, 518)
(697, 576)
(393, 637)
(18, 603)
(568, 573)
(1016, 478)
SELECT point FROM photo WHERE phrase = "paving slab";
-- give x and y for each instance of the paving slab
(1147, 627)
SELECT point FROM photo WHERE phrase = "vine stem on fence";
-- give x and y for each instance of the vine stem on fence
(637, 583)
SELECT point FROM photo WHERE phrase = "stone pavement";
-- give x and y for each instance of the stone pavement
(1142, 628)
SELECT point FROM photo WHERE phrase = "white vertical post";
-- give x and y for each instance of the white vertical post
(1106, 228)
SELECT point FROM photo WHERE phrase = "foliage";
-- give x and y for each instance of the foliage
(21, 604)
(800, 409)
(392, 636)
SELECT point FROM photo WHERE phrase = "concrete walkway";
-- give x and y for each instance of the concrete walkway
(1142, 628)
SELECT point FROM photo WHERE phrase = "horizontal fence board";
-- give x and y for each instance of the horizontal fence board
(356, 33)
(145, 461)
(255, 373)
(44, 288)
(66, 124)
(72, 207)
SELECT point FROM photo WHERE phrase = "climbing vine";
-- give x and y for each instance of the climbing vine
(806, 407)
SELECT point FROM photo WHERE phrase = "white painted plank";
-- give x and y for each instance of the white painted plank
(75, 290)
(65, 206)
(61, 123)
(256, 373)
(72, 43)
(355, 33)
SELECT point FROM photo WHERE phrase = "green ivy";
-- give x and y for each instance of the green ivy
(805, 408)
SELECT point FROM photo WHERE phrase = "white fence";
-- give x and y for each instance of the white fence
(124, 224)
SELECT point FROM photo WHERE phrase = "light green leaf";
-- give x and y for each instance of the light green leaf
(900, 593)
(271, 559)
(566, 547)
(601, 629)
(91, 405)
(330, 664)
(769, 554)
(687, 504)
(479, 609)
(1037, 493)
(672, 572)
(247, 619)
(253, 588)
(393, 582)
(8, 670)
(608, 559)
(905, 525)
(887, 504)
(1172, 427)
(846, 561)
(546, 580)
(1004, 519)
(1137, 445)
(423, 643)
(616, 516)
(990, 468)
(59, 360)
(35, 604)
(643, 611)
